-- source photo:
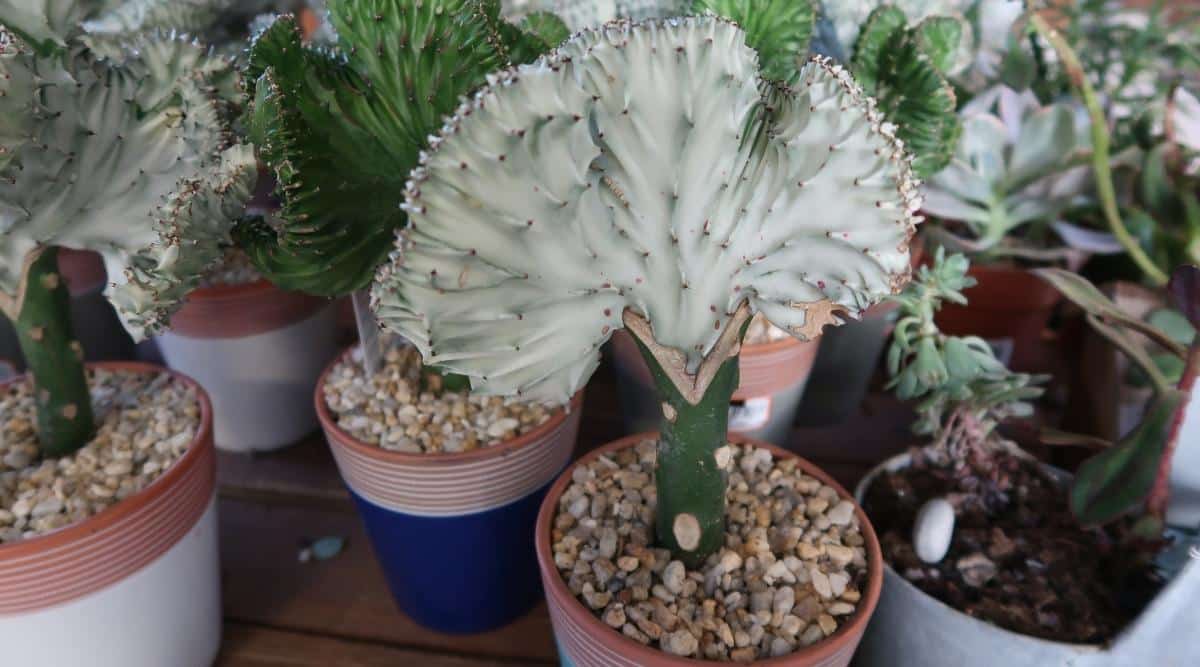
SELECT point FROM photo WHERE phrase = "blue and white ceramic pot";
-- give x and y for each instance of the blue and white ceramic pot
(454, 532)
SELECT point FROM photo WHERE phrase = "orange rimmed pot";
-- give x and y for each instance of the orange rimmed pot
(1009, 307)
(96, 324)
(454, 532)
(585, 641)
(258, 350)
(137, 585)
(772, 378)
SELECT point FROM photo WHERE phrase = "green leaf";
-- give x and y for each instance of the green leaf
(780, 30)
(883, 28)
(1084, 294)
(938, 37)
(1117, 481)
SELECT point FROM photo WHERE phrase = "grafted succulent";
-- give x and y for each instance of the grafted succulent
(129, 157)
(905, 67)
(341, 130)
(643, 176)
(1018, 162)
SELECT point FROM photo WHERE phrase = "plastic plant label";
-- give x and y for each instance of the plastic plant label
(750, 414)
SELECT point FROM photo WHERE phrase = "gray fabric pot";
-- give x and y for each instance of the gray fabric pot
(913, 628)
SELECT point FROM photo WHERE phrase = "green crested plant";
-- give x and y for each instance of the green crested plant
(127, 154)
(781, 31)
(905, 67)
(643, 176)
(1133, 475)
(964, 392)
(341, 128)
(1019, 163)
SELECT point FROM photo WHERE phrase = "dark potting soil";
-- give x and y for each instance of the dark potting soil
(1018, 558)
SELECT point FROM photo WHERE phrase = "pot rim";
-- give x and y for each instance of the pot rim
(557, 587)
(156, 489)
(904, 460)
(344, 439)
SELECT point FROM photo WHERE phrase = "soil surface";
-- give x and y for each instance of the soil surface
(1018, 558)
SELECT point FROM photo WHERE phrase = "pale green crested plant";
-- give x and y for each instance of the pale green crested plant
(645, 176)
(128, 155)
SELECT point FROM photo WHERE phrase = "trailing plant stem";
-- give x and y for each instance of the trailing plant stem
(691, 485)
(1156, 504)
(1100, 150)
(54, 358)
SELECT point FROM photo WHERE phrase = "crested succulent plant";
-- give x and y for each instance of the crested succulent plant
(643, 176)
(341, 129)
(129, 157)
(905, 67)
(1018, 162)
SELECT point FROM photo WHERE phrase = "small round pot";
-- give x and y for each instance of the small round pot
(584, 641)
(1009, 307)
(772, 381)
(258, 350)
(454, 532)
(95, 323)
(137, 585)
(912, 627)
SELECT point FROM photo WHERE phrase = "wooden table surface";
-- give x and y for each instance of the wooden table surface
(338, 612)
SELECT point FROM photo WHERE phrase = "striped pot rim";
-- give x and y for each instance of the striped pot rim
(85, 557)
(764, 369)
(451, 484)
(588, 642)
(238, 311)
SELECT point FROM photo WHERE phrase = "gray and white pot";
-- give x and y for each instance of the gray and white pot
(846, 360)
(911, 627)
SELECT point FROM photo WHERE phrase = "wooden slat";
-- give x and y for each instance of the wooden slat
(253, 646)
(346, 596)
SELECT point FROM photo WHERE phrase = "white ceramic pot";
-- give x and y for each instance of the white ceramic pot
(911, 627)
(1183, 505)
(258, 351)
(137, 585)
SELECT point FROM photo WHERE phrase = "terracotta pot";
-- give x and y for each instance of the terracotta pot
(137, 585)
(912, 627)
(585, 641)
(772, 380)
(97, 327)
(454, 532)
(258, 350)
(1010, 308)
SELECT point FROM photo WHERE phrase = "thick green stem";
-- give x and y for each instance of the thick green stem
(1100, 145)
(54, 358)
(691, 485)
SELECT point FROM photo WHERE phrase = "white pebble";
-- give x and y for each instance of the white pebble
(933, 530)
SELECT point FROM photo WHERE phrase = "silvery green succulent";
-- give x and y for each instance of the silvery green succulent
(1018, 162)
(341, 129)
(643, 176)
(130, 157)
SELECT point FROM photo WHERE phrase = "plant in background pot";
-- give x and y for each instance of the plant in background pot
(647, 176)
(447, 482)
(107, 476)
(994, 557)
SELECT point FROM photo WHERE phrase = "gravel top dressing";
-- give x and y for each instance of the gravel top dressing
(146, 421)
(403, 408)
(792, 570)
